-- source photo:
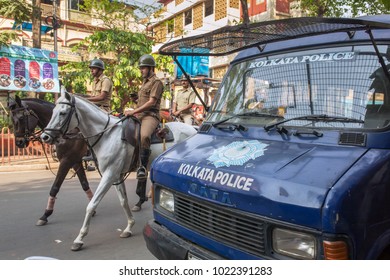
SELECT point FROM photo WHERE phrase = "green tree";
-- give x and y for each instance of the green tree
(19, 10)
(118, 42)
(166, 65)
(339, 8)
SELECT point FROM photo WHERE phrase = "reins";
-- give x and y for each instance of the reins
(35, 136)
(100, 134)
(65, 127)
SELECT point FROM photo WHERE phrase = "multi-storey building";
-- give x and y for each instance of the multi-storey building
(75, 26)
(182, 18)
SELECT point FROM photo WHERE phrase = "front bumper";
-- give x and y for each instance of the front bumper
(165, 245)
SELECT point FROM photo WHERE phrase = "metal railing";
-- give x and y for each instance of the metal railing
(11, 154)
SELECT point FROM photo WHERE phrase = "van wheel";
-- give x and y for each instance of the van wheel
(385, 254)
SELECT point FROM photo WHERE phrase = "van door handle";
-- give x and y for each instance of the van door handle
(308, 132)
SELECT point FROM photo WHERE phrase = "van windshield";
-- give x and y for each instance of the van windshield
(342, 83)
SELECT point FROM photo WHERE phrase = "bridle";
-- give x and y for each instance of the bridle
(52, 132)
(65, 126)
(63, 129)
(24, 113)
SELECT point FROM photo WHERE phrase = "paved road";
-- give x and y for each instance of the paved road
(23, 197)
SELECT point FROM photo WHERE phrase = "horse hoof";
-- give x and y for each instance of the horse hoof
(125, 234)
(76, 246)
(136, 208)
(41, 223)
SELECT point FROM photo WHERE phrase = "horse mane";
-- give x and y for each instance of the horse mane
(94, 106)
(40, 101)
(84, 99)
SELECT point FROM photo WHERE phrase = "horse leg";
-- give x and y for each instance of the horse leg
(55, 188)
(101, 190)
(141, 192)
(78, 167)
(122, 195)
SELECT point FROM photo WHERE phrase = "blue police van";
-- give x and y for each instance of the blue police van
(293, 160)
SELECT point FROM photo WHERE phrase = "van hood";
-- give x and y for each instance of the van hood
(272, 179)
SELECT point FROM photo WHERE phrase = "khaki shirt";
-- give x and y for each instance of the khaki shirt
(103, 83)
(151, 87)
(183, 98)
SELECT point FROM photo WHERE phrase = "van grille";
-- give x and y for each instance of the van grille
(354, 139)
(245, 233)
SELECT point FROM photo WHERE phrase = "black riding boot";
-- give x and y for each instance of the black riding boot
(142, 173)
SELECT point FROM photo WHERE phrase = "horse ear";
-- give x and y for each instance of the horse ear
(65, 93)
(62, 90)
(18, 100)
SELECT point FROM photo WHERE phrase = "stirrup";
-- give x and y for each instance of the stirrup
(142, 174)
(88, 158)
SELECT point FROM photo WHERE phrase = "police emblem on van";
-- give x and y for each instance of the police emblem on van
(237, 153)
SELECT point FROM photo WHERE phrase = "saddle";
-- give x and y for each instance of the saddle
(131, 128)
(130, 134)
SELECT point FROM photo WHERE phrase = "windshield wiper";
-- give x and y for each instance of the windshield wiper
(250, 114)
(315, 118)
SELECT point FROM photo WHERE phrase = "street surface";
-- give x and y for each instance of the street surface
(23, 198)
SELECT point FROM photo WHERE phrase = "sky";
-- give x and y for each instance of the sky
(143, 3)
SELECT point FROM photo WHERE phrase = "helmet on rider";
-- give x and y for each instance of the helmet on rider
(96, 63)
(146, 60)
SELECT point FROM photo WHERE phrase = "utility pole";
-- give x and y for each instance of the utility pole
(55, 22)
(245, 14)
(55, 27)
(36, 23)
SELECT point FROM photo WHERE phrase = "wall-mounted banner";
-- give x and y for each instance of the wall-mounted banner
(28, 69)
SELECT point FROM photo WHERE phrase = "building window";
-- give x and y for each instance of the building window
(188, 17)
(208, 7)
(48, 2)
(76, 5)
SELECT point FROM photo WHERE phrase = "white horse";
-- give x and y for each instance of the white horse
(103, 132)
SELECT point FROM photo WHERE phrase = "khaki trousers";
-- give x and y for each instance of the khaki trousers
(148, 126)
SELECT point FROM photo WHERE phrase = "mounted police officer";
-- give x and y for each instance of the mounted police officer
(101, 86)
(148, 112)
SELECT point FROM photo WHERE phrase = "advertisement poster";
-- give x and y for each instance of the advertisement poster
(28, 69)
(193, 65)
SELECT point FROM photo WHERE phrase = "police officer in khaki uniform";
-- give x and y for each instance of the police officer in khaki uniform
(183, 102)
(101, 86)
(148, 112)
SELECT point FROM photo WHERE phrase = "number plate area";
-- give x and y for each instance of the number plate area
(192, 257)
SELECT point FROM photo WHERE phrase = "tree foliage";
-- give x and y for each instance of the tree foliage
(18, 10)
(343, 8)
(118, 46)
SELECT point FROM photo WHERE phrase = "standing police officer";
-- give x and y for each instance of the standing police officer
(148, 112)
(183, 102)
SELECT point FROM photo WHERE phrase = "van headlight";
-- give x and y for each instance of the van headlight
(294, 244)
(166, 200)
